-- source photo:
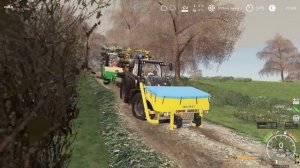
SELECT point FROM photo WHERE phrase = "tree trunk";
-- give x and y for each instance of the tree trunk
(282, 76)
(86, 58)
(177, 67)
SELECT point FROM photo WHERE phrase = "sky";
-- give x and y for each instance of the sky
(259, 26)
(242, 63)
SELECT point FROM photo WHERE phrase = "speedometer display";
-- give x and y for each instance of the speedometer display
(281, 147)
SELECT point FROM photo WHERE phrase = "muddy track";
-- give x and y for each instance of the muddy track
(210, 146)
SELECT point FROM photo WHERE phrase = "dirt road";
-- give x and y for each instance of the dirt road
(210, 146)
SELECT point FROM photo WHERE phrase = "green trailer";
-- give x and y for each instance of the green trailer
(110, 64)
(110, 74)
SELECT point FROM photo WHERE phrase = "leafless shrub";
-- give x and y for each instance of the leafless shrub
(40, 56)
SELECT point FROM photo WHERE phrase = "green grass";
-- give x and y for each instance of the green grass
(89, 148)
(224, 114)
(280, 90)
(102, 139)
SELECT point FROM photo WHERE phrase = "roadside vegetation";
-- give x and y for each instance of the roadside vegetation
(41, 55)
(89, 148)
(240, 103)
(102, 139)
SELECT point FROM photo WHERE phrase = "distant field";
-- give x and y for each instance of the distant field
(281, 90)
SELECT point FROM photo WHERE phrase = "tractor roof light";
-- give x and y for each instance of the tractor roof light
(140, 56)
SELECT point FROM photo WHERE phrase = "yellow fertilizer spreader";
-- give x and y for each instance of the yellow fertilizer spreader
(180, 105)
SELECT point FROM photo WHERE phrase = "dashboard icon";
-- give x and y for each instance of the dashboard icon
(272, 8)
(163, 8)
(211, 8)
(172, 7)
(296, 101)
(184, 9)
(249, 8)
(296, 118)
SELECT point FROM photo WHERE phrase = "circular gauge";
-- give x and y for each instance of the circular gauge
(281, 147)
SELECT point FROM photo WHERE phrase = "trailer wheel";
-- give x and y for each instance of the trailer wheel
(138, 107)
(197, 119)
(178, 121)
(105, 82)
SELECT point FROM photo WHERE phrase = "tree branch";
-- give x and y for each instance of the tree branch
(185, 45)
(20, 127)
(172, 17)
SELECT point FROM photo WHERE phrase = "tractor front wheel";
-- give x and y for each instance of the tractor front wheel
(138, 107)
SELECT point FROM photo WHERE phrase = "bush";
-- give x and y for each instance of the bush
(219, 96)
(227, 78)
(263, 109)
(243, 79)
(38, 69)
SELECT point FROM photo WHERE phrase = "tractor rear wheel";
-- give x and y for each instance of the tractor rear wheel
(138, 107)
(123, 94)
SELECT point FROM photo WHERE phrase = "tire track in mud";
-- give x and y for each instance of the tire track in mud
(161, 139)
(210, 146)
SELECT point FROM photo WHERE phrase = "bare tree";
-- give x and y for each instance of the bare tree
(175, 36)
(96, 42)
(88, 31)
(127, 20)
(278, 54)
(294, 69)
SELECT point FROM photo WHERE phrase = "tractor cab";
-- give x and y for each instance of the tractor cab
(140, 67)
(147, 69)
(151, 71)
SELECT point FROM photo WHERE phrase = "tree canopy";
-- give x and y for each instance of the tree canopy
(181, 38)
(280, 55)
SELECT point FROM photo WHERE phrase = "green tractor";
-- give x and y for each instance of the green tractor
(110, 66)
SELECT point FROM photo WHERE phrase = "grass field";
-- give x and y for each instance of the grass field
(224, 114)
(285, 91)
(89, 148)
